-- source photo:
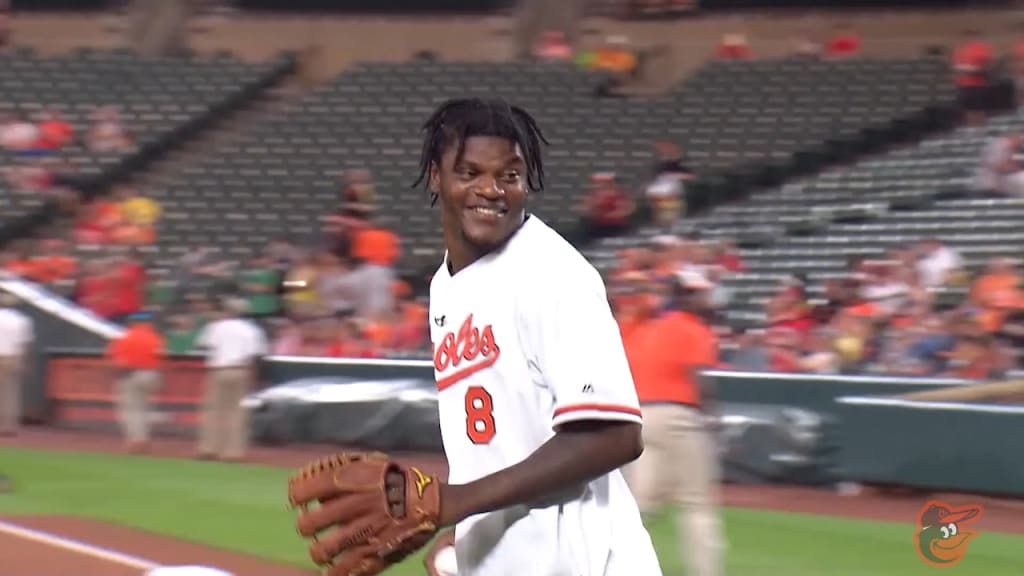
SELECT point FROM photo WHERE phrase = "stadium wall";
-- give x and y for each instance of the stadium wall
(338, 41)
(882, 437)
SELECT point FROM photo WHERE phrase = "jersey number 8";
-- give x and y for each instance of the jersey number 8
(479, 415)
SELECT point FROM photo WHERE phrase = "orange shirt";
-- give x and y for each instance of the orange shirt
(50, 268)
(376, 246)
(975, 55)
(996, 292)
(140, 348)
(664, 353)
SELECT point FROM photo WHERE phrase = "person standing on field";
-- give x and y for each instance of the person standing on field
(234, 345)
(16, 335)
(136, 355)
(679, 465)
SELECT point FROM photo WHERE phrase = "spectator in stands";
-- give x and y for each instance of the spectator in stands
(606, 210)
(937, 264)
(845, 42)
(53, 263)
(997, 293)
(883, 287)
(301, 296)
(727, 256)
(616, 56)
(182, 331)
(973, 62)
(259, 282)
(97, 221)
(54, 131)
(282, 254)
(734, 46)
(818, 355)
(789, 308)
(1000, 172)
(18, 259)
(553, 46)
(107, 134)
(666, 193)
(808, 43)
(852, 339)
(287, 337)
(137, 216)
(18, 134)
(358, 195)
(751, 353)
(411, 329)
(129, 283)
(978, 357)
(96, 289)
(339, 290)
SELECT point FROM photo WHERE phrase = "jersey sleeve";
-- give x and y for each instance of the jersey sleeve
(577, 348)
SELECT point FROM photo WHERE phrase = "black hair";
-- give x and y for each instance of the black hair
(456, 120)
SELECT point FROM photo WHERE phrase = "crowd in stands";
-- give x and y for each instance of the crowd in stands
(34, 147)
(890, 315)
(337, 297)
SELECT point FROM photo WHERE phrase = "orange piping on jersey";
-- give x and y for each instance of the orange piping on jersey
(470, 344)
(597, 408)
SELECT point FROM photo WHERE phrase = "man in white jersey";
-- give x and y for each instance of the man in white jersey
(537, 404)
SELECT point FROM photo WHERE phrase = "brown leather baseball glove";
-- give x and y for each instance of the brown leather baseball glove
(363, 511)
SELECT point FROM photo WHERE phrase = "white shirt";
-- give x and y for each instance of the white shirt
(18, 135)
(232, 342)
(16, 332)
(524, 341)
(934, 269)
(989, 175)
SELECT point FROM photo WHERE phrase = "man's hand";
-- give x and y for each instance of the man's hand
(440, 558)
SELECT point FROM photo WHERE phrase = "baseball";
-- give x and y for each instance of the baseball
(444, 562)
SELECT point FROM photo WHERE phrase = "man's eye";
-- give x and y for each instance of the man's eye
(512, 176)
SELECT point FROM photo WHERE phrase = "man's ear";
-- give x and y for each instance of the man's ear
(435, 178)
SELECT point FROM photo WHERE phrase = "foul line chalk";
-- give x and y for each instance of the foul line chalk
(76, 546)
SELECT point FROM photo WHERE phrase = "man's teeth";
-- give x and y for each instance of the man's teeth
(488, 211)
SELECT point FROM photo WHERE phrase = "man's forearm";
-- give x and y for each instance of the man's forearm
(577, 454)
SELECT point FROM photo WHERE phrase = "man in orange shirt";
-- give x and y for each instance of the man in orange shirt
(972, 64)
(136, 355)
(679, 464)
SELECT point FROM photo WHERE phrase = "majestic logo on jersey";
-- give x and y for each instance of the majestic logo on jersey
(439, 320)
(422, 480)
(466, 352)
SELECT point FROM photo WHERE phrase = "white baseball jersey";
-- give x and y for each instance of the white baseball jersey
(524, 341)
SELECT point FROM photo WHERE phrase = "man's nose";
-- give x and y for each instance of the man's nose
(490, 189)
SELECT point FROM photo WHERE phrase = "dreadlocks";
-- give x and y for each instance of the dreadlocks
(457, 120)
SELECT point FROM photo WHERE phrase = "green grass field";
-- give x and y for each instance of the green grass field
(243, 508)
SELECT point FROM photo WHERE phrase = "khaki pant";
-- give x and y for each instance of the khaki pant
(679, 466)
(10, 394)
(134, 391)
(225, 423)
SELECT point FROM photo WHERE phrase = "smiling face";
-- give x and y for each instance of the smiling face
(944, 545)
(483, 196)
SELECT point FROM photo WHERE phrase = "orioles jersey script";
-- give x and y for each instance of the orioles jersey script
(524, 341)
